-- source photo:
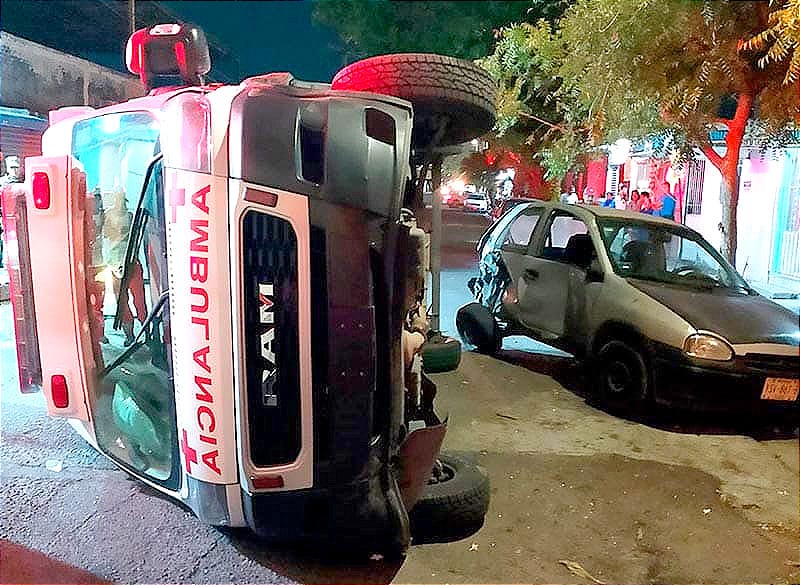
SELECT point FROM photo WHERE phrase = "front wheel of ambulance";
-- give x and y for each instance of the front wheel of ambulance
(453, 504)
(440, 88)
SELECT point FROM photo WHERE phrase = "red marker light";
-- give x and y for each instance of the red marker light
(268, 482)
(262, 197)
(180, 55)
(41, 190)
(134, 53)
(59, 391)
(165, 29)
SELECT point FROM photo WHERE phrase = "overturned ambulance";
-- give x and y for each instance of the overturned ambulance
(219, 287)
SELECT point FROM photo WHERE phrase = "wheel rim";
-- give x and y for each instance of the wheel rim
(622, 375)
(619, 378)
(442, 472)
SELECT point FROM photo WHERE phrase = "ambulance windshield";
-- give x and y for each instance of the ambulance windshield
(131, 390)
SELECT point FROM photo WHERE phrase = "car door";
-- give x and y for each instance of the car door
(514, 243)
(551, 277)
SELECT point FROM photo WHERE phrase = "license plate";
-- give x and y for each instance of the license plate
(780, 389)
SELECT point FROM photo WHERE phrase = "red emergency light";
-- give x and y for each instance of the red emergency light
(59, 391)
(41, 190)
(168, 55)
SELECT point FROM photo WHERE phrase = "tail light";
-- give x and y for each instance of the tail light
(41, 190)
(59, 391)
(17, 259)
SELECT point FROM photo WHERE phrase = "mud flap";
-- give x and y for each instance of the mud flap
(417, 455)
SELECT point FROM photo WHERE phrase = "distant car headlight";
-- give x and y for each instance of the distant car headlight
(708, 347)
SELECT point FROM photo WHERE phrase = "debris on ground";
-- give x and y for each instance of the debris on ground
(55, 465)
(508, 416)
(473, 546)
(706, 511)
(577, 569)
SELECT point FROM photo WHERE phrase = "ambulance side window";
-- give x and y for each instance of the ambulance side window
(126, 289)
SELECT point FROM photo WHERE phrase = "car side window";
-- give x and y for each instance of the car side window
(567, 240)
(518, 233)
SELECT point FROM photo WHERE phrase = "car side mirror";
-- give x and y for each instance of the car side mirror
(594, 273)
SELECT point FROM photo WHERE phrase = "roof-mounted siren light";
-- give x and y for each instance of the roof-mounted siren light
(168, 55)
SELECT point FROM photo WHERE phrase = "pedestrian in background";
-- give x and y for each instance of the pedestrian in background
(573, 196)
(646, 203)
(634, 203)
(621, 199)
(608, 201)
(13, 172)
(668, 204)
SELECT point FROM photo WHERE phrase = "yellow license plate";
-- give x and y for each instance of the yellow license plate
(780, 389)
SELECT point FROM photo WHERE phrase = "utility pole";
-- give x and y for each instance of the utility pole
(436, 240)
(132, 15)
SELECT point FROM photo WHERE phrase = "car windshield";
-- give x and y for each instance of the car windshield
(663, 253)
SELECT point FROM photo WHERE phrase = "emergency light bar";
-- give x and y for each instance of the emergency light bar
(168, 55)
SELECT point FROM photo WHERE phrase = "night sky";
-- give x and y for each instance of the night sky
(267, 36)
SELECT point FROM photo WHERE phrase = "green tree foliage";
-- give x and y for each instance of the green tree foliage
(459, 29)
(781, 38)
(636, 68)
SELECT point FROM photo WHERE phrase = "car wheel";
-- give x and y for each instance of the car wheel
(437, 86)
(622, 375)
(440, 354)
(477, 327)
(453, 504)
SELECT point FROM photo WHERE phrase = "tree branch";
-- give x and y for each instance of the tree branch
(545, 122)
(712, 155)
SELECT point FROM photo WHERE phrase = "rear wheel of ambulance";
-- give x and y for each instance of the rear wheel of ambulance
(453, 504)
(451, 97)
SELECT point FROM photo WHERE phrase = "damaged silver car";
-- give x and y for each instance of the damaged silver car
(651, 307)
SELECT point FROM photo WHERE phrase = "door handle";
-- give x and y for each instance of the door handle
(530, 274)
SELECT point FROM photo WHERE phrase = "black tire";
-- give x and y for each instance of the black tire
(436, 86)
(477, 327)
(440, 354)
(454, 508)
(623, 378)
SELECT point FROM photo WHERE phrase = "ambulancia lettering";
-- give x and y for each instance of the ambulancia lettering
(203, 376)
(266, 316)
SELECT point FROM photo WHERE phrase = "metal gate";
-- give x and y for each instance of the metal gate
(786, 255)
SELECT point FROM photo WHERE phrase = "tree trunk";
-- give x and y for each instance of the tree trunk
(730, 200)
(728, 167)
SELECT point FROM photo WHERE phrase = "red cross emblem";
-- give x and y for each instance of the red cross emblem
(189, 454)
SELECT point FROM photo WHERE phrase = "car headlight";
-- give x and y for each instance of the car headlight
(708, 347)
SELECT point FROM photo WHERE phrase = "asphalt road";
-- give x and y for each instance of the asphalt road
(669, 499)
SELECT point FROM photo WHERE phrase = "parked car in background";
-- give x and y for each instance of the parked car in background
(476, 202)
(651, 307)
(452, 197)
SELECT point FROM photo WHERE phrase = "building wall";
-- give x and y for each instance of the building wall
(759, 187)
(40, 79)
(20, 134)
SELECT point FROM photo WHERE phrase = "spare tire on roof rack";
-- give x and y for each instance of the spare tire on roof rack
(440, 88)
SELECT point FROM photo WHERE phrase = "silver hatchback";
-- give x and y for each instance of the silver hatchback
(651, 306)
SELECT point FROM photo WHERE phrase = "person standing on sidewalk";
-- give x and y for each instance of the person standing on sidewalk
(667, 204)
